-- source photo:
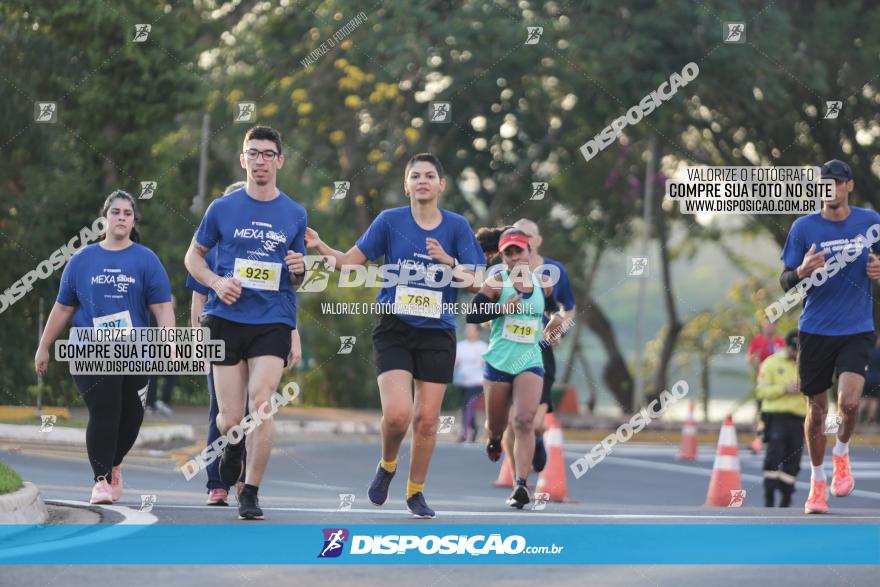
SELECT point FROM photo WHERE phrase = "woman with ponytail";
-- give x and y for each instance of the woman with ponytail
(514, 367)
(114, 283)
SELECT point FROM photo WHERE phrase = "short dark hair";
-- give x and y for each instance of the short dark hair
(266, 133)
(791, 339)
(427, 158)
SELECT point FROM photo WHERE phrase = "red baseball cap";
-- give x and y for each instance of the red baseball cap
(513, 238)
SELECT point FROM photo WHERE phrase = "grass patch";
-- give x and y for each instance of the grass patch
(9, 480)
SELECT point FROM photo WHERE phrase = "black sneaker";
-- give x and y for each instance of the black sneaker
(539, 460)
(417, 506)
(231, 463)
(494, 449)
(249, 506)
(519, 498)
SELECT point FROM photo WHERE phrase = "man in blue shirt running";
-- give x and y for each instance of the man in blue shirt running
(258, 232)
(831, 249)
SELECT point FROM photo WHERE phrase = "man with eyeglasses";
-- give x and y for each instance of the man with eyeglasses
(836, 325)
(258, 234)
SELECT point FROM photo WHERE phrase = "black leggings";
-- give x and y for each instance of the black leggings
(115, 416)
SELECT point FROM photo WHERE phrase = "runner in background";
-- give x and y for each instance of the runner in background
(762, 346)
(469, 379)
(871, 394)
(94, 293)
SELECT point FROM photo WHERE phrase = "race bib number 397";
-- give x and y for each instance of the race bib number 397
(117, 320)
(258, 274)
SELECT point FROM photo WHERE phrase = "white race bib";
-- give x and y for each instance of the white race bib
(414, 301)
(520, 330)
(257, 274)
(117, 320)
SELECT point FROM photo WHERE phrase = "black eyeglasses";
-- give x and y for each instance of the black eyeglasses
(253, 154)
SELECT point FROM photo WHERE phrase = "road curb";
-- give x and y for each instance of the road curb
(77, 436)
(286, 427)
(24, 506)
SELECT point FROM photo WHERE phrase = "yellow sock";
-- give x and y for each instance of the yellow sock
(413, 488)
(390, 466)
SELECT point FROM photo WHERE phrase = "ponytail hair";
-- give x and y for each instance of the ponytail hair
(489, 237)
(135, 235)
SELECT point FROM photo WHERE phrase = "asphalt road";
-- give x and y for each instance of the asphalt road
(639, 484)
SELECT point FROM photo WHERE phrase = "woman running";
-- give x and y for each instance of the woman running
(514, 368)
(114, 282)
(415, 342)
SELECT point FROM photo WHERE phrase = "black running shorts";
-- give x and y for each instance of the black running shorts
(427, 353)
(820, 356)
(246, 341)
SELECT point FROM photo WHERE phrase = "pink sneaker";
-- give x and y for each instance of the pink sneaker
(102, 492)
(116, 482)
(842, 482)
(817, 501)
(218, 496)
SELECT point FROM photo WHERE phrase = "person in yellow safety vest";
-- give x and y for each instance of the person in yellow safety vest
(785, 408)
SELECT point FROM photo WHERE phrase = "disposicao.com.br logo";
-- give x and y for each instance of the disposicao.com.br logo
(334, 540)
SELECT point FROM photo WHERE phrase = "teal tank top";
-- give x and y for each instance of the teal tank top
(515, 339)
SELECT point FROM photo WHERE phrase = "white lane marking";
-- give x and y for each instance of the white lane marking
(545, 513)
(631, 462)
(304, 485)
(129, 515)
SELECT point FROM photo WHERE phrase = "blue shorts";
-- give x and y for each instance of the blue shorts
(490, 373)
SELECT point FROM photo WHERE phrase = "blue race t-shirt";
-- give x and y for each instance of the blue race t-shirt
(561, 289)
(842, 304)
(113, 288)
(252, 238)
(192, 284)
(397, 237)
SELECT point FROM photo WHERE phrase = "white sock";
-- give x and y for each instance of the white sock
(840, 448)
(818, 473)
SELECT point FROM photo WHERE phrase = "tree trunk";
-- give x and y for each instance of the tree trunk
(616, 373)
(674, 325)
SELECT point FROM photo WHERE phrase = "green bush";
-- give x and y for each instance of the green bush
(9, 480)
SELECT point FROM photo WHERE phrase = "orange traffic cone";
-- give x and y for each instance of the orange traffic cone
(687, 451)
(725, 472)
(552, 479)
(505, 475)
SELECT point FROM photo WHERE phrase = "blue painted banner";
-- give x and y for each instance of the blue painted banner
(283, 544)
